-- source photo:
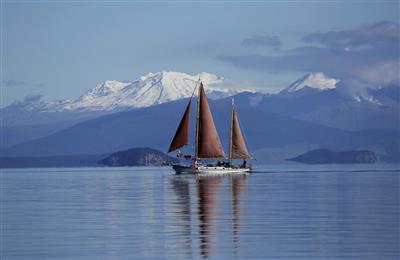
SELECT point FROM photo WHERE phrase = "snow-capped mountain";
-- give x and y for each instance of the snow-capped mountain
(112, 96)
(318, 82)
(147, 90)
(311, 82)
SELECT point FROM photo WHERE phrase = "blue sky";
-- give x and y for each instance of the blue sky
(61, 49)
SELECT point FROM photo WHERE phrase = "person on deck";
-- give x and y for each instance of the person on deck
(244, 163)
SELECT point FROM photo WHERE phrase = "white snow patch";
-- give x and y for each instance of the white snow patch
(313, 80)
(146, 90)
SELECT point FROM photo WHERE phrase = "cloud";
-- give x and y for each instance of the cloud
(13, 83)
(33, 98)
(30, 101)
(262, 41)
(367, 56)
(375, 36)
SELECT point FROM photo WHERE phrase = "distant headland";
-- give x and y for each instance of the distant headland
(325, 156)
(131, 157)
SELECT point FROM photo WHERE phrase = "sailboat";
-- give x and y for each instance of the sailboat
(208, 145)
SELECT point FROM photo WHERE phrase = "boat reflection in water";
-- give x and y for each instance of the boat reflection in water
(208, 212)
(238, 183)
(207, 191)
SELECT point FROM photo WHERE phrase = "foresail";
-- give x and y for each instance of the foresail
(208, 141)
(238, 149)
(181, 137)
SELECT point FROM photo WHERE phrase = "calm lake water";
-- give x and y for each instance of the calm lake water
(278, 212)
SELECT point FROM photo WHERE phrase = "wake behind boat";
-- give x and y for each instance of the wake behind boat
(207, 142)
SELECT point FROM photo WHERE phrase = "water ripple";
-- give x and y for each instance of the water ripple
(278, 212)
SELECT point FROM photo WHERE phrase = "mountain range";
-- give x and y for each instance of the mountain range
(112, 96)
(147, 90)
(310, 113)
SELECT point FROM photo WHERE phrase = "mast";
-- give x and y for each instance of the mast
(208, 143)
(196, 149)
(231, 129)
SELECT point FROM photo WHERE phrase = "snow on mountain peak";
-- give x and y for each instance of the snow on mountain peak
(317, 81)
(108, 86)
(146, 90)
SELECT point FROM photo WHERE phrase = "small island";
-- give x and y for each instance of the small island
(137, 157)
(325, 156)
(130, 157)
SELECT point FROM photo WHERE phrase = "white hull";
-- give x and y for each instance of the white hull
(209, 169)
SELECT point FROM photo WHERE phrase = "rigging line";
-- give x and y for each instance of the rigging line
(195, 87)
(191, 97)
(190, 100)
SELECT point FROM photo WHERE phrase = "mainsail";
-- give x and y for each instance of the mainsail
(181, 137)
(208, 144)
(237, 145)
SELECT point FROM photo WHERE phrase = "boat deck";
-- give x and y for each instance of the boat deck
(179, 169)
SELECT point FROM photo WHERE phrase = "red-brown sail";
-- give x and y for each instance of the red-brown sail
(208, 142)
(237, 146)
(181, 137)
